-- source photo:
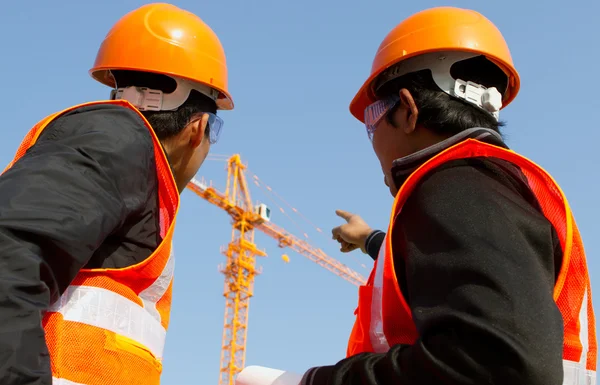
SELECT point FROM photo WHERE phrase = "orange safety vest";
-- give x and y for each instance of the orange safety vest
(384, 319)
(109, 326)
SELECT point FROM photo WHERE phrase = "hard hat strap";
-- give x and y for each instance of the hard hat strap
(440, 63)
(143, 98)
(146, 99)
(488, 99)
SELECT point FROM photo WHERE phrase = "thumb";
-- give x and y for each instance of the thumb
(344, 214)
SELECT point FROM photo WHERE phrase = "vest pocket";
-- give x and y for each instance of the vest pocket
(122, 344)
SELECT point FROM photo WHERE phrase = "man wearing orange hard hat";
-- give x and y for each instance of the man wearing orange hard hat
(88, 207)
(482, 275)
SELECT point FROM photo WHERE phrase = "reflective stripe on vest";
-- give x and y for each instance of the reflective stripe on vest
(111, 311)
(572, 291)
(378, 340)
(109, 326)
(62, 381)
(577, 373)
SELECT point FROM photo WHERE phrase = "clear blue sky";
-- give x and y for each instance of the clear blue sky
(294, 67)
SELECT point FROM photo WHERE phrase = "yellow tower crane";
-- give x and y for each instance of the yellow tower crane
(240, 267)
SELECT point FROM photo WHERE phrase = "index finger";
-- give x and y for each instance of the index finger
(344, 214)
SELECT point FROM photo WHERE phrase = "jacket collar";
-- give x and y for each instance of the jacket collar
(403, 167)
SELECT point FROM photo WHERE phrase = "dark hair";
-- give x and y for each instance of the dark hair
(442, 113)
(166, 123)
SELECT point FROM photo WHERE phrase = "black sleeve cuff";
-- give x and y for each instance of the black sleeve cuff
(373, 243)
(317, 376)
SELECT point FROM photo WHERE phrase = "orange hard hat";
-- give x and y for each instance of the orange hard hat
(162, 38)
(440, 29)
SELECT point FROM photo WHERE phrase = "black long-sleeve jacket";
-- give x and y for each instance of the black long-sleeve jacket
(85, 195)
(477, 262)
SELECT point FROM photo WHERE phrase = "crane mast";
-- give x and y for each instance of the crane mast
(240, 267)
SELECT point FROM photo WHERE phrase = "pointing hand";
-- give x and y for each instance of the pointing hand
(352, 234)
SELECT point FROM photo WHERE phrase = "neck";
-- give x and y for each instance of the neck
(173, 161)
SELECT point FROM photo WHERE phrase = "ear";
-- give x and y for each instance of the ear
(407, 102)
(195, 131)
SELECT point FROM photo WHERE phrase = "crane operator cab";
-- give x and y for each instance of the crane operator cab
(264, 212)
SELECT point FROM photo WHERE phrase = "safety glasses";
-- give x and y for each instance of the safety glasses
(215, 123)
(377, 111)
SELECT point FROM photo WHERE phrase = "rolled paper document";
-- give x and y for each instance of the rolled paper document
(259, 375)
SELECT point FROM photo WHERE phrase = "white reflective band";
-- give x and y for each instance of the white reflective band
(378, 340)
(62, 381)
(111, 311)
(576, 375)
(153, 293)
